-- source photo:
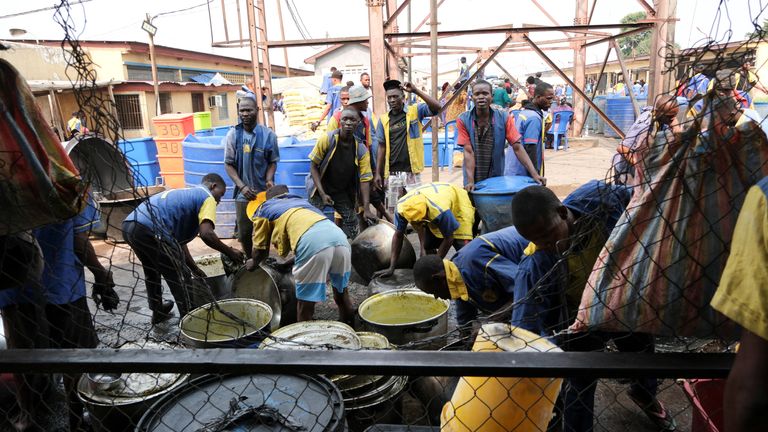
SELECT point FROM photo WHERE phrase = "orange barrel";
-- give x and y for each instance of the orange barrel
(500, 404)
(171, 130)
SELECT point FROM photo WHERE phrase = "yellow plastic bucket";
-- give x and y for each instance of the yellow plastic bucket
(498, 404)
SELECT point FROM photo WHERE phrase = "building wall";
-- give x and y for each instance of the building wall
(108, 63)
(35, 62)
(351, 59)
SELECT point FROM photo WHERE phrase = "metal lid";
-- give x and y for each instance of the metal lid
(309, 401)
(321, 335)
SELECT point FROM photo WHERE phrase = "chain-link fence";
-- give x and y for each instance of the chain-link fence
(614, 314)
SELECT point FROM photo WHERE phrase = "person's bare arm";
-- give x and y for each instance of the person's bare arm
(432, 103)
(239, 183)
(378, 176)
(746, 399)
(397, 243)
(522, 156)
(442, 250)
(190, 262)
(315, 173)
(365, 194)
(469, 167)
(103, 287)
(270, 177)
(209, 237)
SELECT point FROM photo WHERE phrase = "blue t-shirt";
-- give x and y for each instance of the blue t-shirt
(176, 214)
(334, 100)
(63, 279)
(251, 153)
(529, 123)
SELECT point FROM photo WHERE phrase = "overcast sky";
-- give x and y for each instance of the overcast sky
(121, 20)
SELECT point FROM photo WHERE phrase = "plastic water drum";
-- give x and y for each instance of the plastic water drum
(203, 155)
(171, 129)
(600, 102)
(499, 404)
(620, 111)
(202, 120)
(293, 167)
(493, 198)
(141, 154)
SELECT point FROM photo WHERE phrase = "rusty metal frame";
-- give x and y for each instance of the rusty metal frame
(625, 72)
(581, 93)
(393, 18)
(616, 36)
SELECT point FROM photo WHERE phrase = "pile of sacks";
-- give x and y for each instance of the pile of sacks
(302, 107)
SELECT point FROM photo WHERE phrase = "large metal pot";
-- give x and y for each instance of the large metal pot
(274, 288)
(208, 327)
(405, 316)
(215, 286)
(372, 249)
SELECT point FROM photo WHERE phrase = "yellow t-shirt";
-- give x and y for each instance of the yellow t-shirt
(207, 211)
(743, 292)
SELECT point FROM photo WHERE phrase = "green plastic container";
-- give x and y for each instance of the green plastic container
(202, 120)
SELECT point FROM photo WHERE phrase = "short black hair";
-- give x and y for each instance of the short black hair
(337, 74)
(351, 109)
(482, 82)
(333, 68)
(213, 178)
(424, 268)
(345, 89)
(530, 80)
(277, 190)
(538, 74)
(350, 84)
(531, 204)
(463, 59)
(542, 88)
(364, 74)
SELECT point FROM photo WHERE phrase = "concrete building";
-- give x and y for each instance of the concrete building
(350, 59)
(123, 72)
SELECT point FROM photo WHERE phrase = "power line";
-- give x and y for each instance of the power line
(182, 10)
(41, 9)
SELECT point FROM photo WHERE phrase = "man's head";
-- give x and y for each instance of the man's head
(350, 83)
(365, 80)
(276, 191)
(395, 95)
(248, 111)
(348, 122)
(344, 96)
(463, 60)
(481, 94)
(530, 80)
(336, 77)
(215, 184)
(538, 74)
(541, 218)
(747, 63)
(698, 67)
(543, 95)
(665, 109)
(358, 98)
(429, 275)
(561, 102)
(506, 80)
(76, 114)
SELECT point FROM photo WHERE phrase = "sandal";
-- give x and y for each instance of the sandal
(655, 411)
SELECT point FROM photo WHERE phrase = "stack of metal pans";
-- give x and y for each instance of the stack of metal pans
(322, 335)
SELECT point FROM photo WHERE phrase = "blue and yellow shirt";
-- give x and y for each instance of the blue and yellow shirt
(282, 221)
(323, 152)
(176, 215)
(444, 208)
(485, 274)
(251, 153)
(63, 278)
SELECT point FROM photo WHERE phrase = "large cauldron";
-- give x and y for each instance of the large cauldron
(372, 248)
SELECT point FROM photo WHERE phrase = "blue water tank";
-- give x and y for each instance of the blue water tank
(203, 155)
(293, 168)
(620, 111)
(493, 199)
(141, 154)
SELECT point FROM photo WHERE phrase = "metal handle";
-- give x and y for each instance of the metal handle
(422, 328)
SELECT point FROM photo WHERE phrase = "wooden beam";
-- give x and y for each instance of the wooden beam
(378, 53)
(393, 18)
(511, 77)
(648, 8)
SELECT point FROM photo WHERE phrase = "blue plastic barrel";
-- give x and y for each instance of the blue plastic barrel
(761, 108)
(141, 154)
(204, 133)
(221, 130)
(293, 168)
(620, 111)
(203, 155)
(493, 199)
(445, 150)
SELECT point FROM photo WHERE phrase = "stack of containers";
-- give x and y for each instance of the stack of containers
(171, 130)
(202, 120)
(141, 153)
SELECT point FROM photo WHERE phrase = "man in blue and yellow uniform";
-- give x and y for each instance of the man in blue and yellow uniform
(320, 248)
(401, 145)
(250, 158)
(158, 231)
(566, 239)
(339, 169)
(480, 277)
(533, 122)
(442, 215)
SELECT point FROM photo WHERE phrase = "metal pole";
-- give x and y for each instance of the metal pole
(376, 41)
(266, 65)
(578, 90)
(153, 62)
(433, 77)
(579, 67)
(239, 23)
(511, 78)
(658, 50)
(254, 58)
(626, 76)
(390, 26)
(224, 17)
(410, 50)
(282, 36)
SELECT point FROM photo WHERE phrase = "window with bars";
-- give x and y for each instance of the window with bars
(141, 73)
(224, 108)
(129, 111)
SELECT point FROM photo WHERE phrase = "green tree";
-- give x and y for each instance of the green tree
(759, 32)
(638, 43)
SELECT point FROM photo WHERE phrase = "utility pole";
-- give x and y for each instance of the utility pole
(579, 66)
(433, 76)
(151, 30)
(410, 58)
(265, 64)
(378, 68)
(282, 36)
(254, 59)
